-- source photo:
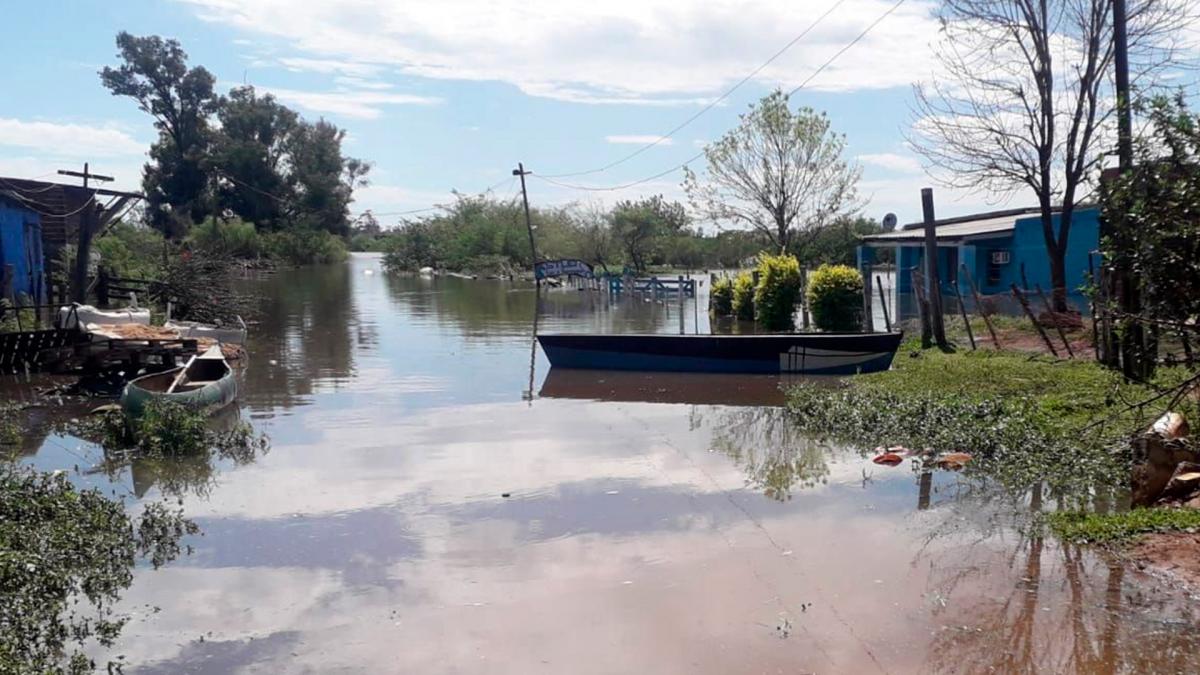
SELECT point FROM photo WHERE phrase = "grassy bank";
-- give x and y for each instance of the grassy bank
(1025, 419)
(1121, 527)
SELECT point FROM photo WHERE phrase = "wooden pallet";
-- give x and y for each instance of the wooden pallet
(33, 350)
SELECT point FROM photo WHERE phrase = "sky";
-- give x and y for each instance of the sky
(451, 95)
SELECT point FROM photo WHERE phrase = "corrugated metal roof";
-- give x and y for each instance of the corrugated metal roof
(955, 230)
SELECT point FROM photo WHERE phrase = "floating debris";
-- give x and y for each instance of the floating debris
(953, 461)
(888, 459)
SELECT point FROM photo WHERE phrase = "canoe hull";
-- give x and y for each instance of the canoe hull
(808, 353)
(210, 397)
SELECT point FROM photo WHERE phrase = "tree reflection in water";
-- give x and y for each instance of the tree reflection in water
(765, 444)
(1043, 606)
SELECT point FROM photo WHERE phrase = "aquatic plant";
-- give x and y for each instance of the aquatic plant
(779, 285)
(721, 297)
(835, 297)
(1114, 528)
(65, 557)
(743, 297)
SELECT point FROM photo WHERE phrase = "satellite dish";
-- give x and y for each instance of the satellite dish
(889, 222)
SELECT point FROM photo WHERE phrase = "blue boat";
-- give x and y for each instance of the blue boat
(802, 353)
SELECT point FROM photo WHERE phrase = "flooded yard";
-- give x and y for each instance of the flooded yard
(436, 501)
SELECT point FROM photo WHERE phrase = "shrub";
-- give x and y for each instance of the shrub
(720, 299)
(234, 238)
(130, 251)
(305, 247)
(743, 297)
(778, 288)
(835, 297)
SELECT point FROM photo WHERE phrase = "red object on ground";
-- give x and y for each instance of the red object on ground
(888, 459)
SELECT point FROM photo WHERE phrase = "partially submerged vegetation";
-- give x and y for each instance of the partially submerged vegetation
(1025, 419)
(1121, 527)
(67, 553)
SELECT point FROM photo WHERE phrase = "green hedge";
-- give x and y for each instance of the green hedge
(835, 298)
(778, 288)
(743, 297)
(720, 301)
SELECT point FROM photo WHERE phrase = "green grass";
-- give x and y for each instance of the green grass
(1118, 528)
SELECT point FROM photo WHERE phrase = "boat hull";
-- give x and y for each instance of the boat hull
(211, 397)
(803, 353)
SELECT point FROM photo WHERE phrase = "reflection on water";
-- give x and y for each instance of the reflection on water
(417, 514)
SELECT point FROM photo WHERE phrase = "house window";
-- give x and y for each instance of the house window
(1001, 257)
(997, 260)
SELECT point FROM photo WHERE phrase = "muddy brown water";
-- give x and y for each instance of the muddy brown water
(652, 523)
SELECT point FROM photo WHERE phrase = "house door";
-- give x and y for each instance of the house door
(951, 266)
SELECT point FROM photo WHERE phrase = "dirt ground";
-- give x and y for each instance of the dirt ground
(1175, 554)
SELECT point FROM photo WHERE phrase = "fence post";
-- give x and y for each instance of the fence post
(679, 291)
(887, 320)
(918, 284)
(962, 308)
(934, 298)
(1054, 316)
(979, 307)
(1029, 312)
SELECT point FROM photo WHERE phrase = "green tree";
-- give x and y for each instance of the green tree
(250, 158)
(322, 179)
(779, 172)
(1156, 231)
(155, 73)
(640, 226)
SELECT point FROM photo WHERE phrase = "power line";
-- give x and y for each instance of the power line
(712, 103)
(673, 169)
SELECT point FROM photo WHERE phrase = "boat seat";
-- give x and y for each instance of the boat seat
(198, 383)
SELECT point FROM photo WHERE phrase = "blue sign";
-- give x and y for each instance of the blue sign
(559, 268)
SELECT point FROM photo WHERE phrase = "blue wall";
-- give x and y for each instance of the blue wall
(21, 247)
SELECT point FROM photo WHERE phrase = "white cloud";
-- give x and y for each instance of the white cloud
(893, 162)
(636, 139)
(625, 51)
(356, 104)
(69, 140)
(331, 67)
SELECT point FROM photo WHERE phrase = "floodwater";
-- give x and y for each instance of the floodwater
(436, 501)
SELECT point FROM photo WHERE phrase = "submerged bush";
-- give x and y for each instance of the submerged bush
(720, 300)
(835, 298)
(66, 555)
(778, 288)
(305, 247)
(234, 238)
(743, 297)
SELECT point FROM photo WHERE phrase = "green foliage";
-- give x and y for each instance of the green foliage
(721, 297)
(259, 161)
(232, 238)
(66, 555)
(1152, 209)
(835, 298)
(155, 74)
(780, 172)
(643, 226)
(10, 430)
(778, 289)
(305, 247)
(130, 250)
(837, 243)
(743, 296)
(1115, 528)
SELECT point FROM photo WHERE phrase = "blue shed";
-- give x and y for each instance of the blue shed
(998, 249)
(21, 253)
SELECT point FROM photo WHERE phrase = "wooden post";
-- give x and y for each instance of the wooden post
(6, 284)
(931, 270)
(520, 171)
(918, 282)
(804, 298)
(887, 319)
(682, 328)
(979, 307)
(1029, 312)
(962, 308)
(1057, 324)
(868, 322)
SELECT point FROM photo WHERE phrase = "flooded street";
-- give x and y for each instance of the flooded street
(435, 501)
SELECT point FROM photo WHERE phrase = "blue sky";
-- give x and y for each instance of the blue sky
(451, 95)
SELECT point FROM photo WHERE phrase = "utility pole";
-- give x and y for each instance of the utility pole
(933, 284)
(520, 171)
(87, 228)
(1136, 361)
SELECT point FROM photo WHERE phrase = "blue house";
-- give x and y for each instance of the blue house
(998, 249)
(22, 263)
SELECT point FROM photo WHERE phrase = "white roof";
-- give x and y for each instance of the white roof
(996, 224)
